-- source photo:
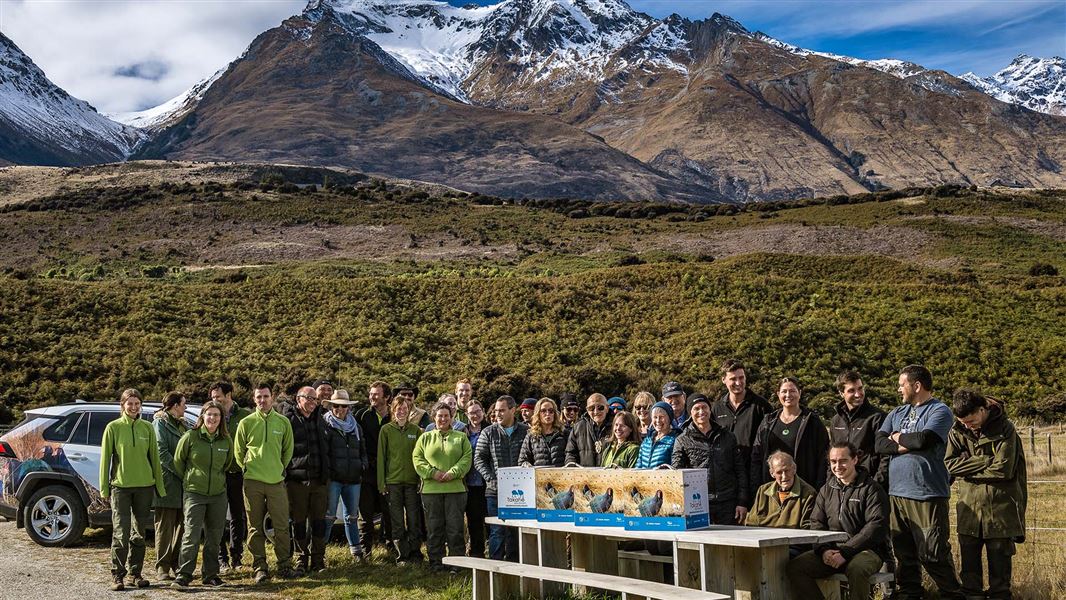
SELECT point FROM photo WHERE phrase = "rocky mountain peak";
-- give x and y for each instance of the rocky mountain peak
(1035, 83)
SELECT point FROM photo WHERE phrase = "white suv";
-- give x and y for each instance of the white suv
(50, 469)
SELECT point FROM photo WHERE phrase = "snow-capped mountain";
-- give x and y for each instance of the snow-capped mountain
(40, 123)
(447, 45)
(170, 111)
(1035, 83)
(892, 66)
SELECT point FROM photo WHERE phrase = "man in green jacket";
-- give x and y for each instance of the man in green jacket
(230, 554)
(986, 457)
(787, 501)
(263, 447)
(129, 475)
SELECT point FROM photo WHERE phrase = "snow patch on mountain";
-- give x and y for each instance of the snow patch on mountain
(1036, 83)
(170, 111)
(895, 67)
(32, 103)
(445, 44)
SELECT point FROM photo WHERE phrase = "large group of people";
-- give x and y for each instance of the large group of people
(431, 475)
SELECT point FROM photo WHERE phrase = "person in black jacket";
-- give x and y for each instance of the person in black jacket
(794, 429)
(857, 421)
(545, 444)
(740, 410)
(372, 503)
(498, 446)
(348, 465)
(854, 503)
(590, 434)
(704, 444)
(306, 477)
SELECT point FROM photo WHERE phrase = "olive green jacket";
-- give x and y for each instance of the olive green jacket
(794, 512)
(168, 432)
(624, 456)
(202, 459)
(989, 468)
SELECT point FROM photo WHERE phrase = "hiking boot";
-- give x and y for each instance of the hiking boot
(164, 575)
(287, 573)
(117, 585)
(140, 581)
(317, 567)
(180, 583)
(357, 554)
(215, 581)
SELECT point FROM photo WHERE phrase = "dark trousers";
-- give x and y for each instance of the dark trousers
(131, 514)
(405, 511)
(307, 503)
(204, 516)
(168, 530)
(805, 570)
(723, 513)
(475, 519)
(444, 525)
(1000, 551)
(372, 503)
(920, 539)
(503, 540)
(231, 550)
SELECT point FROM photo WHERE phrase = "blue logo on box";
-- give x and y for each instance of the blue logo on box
(517, 493)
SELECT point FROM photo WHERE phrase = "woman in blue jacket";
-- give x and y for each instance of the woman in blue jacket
(658, 444)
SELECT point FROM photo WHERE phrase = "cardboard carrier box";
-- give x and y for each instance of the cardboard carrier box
(516, 489)
(665, 500)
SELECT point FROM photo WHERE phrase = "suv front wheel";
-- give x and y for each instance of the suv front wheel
(55, 516)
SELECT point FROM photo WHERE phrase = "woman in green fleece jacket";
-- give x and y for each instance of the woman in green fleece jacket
(130, 476)
(398, 479)
(204, 454)
(442, 458)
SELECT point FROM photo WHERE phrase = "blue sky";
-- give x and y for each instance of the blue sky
(127, 55)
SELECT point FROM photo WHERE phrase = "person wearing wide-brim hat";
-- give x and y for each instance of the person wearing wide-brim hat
(348, 464)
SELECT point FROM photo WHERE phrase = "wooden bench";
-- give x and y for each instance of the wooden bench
(641, 564)
(831, 585)
(497, 579)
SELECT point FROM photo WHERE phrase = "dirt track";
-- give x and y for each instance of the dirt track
(29, 571)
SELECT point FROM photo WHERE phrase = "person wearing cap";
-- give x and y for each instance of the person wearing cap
(591, 434)
(739, 409)
(453, 402)
(348, 465)
(616, 403)
(418, 416)
(571, 407)
(674, 395)
(642, 409)
(526, 410)
(704, 444)
(658, 445)
(545, 444)
(306, 478)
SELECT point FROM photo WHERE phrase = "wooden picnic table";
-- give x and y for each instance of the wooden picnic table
(745, 563)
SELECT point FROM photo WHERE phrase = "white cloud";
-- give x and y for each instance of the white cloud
(82, 45)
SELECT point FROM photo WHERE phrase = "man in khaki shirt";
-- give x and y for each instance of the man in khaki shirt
(787, 501)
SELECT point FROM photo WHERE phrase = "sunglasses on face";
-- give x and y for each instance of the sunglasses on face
(547, 411)
(596, 408)
(641, 408)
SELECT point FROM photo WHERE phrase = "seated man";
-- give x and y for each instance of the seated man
(787, 501)
(854, 503)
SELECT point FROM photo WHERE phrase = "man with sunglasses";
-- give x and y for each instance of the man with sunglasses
(571, 409)
(306, 479)
(590, 434)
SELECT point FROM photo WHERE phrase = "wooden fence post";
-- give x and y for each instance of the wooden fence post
(1049, 448)
(1032, 441)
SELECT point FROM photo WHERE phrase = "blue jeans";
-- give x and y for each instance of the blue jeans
(503, 540)
(349, 493)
